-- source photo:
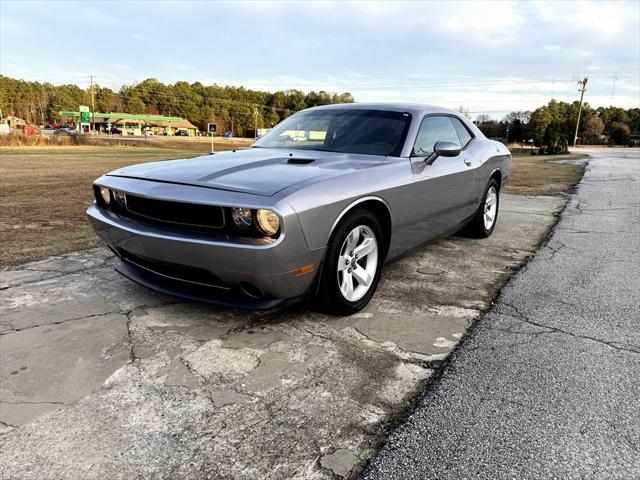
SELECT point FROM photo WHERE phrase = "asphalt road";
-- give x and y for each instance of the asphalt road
(547, 385)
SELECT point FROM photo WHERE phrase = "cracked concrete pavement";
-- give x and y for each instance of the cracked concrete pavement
(546, 385)
(101, 378)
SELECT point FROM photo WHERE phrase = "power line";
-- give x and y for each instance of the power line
(424, 85)
(631, 65)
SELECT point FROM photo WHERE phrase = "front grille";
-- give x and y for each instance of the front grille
(191, 214)
(211, 220)
(175, 271)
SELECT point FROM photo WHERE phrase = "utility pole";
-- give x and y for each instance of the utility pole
(553, 89)
(582, 89)
(93, 107)
(613, 89)
(255, 122)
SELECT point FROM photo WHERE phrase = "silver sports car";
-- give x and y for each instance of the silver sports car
(311, 211)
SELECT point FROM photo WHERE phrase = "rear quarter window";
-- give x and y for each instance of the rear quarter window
(463, 134)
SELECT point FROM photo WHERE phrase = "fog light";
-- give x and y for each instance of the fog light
(268, 222)
(106, 195)
(242, 217)
(120, 197)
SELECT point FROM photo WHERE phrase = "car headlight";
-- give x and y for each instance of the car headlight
(106, 195)
(242, 217)
(268, 222)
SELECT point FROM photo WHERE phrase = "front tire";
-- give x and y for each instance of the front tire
(353, 264)
(486, 217)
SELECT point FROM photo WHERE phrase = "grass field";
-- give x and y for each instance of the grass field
(539, 175)
(44, 191)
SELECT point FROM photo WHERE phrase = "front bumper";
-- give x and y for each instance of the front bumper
(214, 269)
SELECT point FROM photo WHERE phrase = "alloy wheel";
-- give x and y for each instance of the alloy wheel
(357, 263)
(490, 207)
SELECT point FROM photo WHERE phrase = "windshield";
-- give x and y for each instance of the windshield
(369, 132)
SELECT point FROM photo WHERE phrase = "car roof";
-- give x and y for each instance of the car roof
(413, 108)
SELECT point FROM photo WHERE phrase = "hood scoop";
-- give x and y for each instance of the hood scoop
(300, 161)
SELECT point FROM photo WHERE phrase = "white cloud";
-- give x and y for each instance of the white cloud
(486, 55)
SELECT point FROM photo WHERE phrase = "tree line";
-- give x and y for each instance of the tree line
(552, 126)
(230, 107)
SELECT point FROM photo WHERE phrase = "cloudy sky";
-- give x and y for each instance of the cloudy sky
(489, 56)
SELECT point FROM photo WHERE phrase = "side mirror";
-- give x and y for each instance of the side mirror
(443, 149)
(447, 149)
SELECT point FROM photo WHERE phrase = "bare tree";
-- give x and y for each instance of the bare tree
(523, 116)
(483, 118)
(463, 110)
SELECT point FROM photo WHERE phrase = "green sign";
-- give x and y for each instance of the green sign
(84, 114)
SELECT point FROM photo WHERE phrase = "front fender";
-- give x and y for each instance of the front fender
(321, 206)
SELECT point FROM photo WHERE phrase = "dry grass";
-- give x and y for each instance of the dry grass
(44, 191)
(539, 175)
(20, 140)
(196, 144)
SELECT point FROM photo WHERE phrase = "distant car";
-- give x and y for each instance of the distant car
(182, 133)
(287, 220)
(27, 129)
(114, 131)
(64, 131)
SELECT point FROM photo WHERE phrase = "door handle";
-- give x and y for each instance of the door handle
(467, 162)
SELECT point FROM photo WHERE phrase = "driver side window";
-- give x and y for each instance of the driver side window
(434, 129)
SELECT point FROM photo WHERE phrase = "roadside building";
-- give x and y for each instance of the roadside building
(160, 127)
(14, 124)
(135, 124)
(5, 129)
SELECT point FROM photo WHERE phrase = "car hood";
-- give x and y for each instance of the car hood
(258, 171)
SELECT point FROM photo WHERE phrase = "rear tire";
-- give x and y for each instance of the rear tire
(486, 217)
(352, 264)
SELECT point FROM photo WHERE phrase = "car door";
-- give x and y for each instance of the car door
(442, 189)
(472, 157)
